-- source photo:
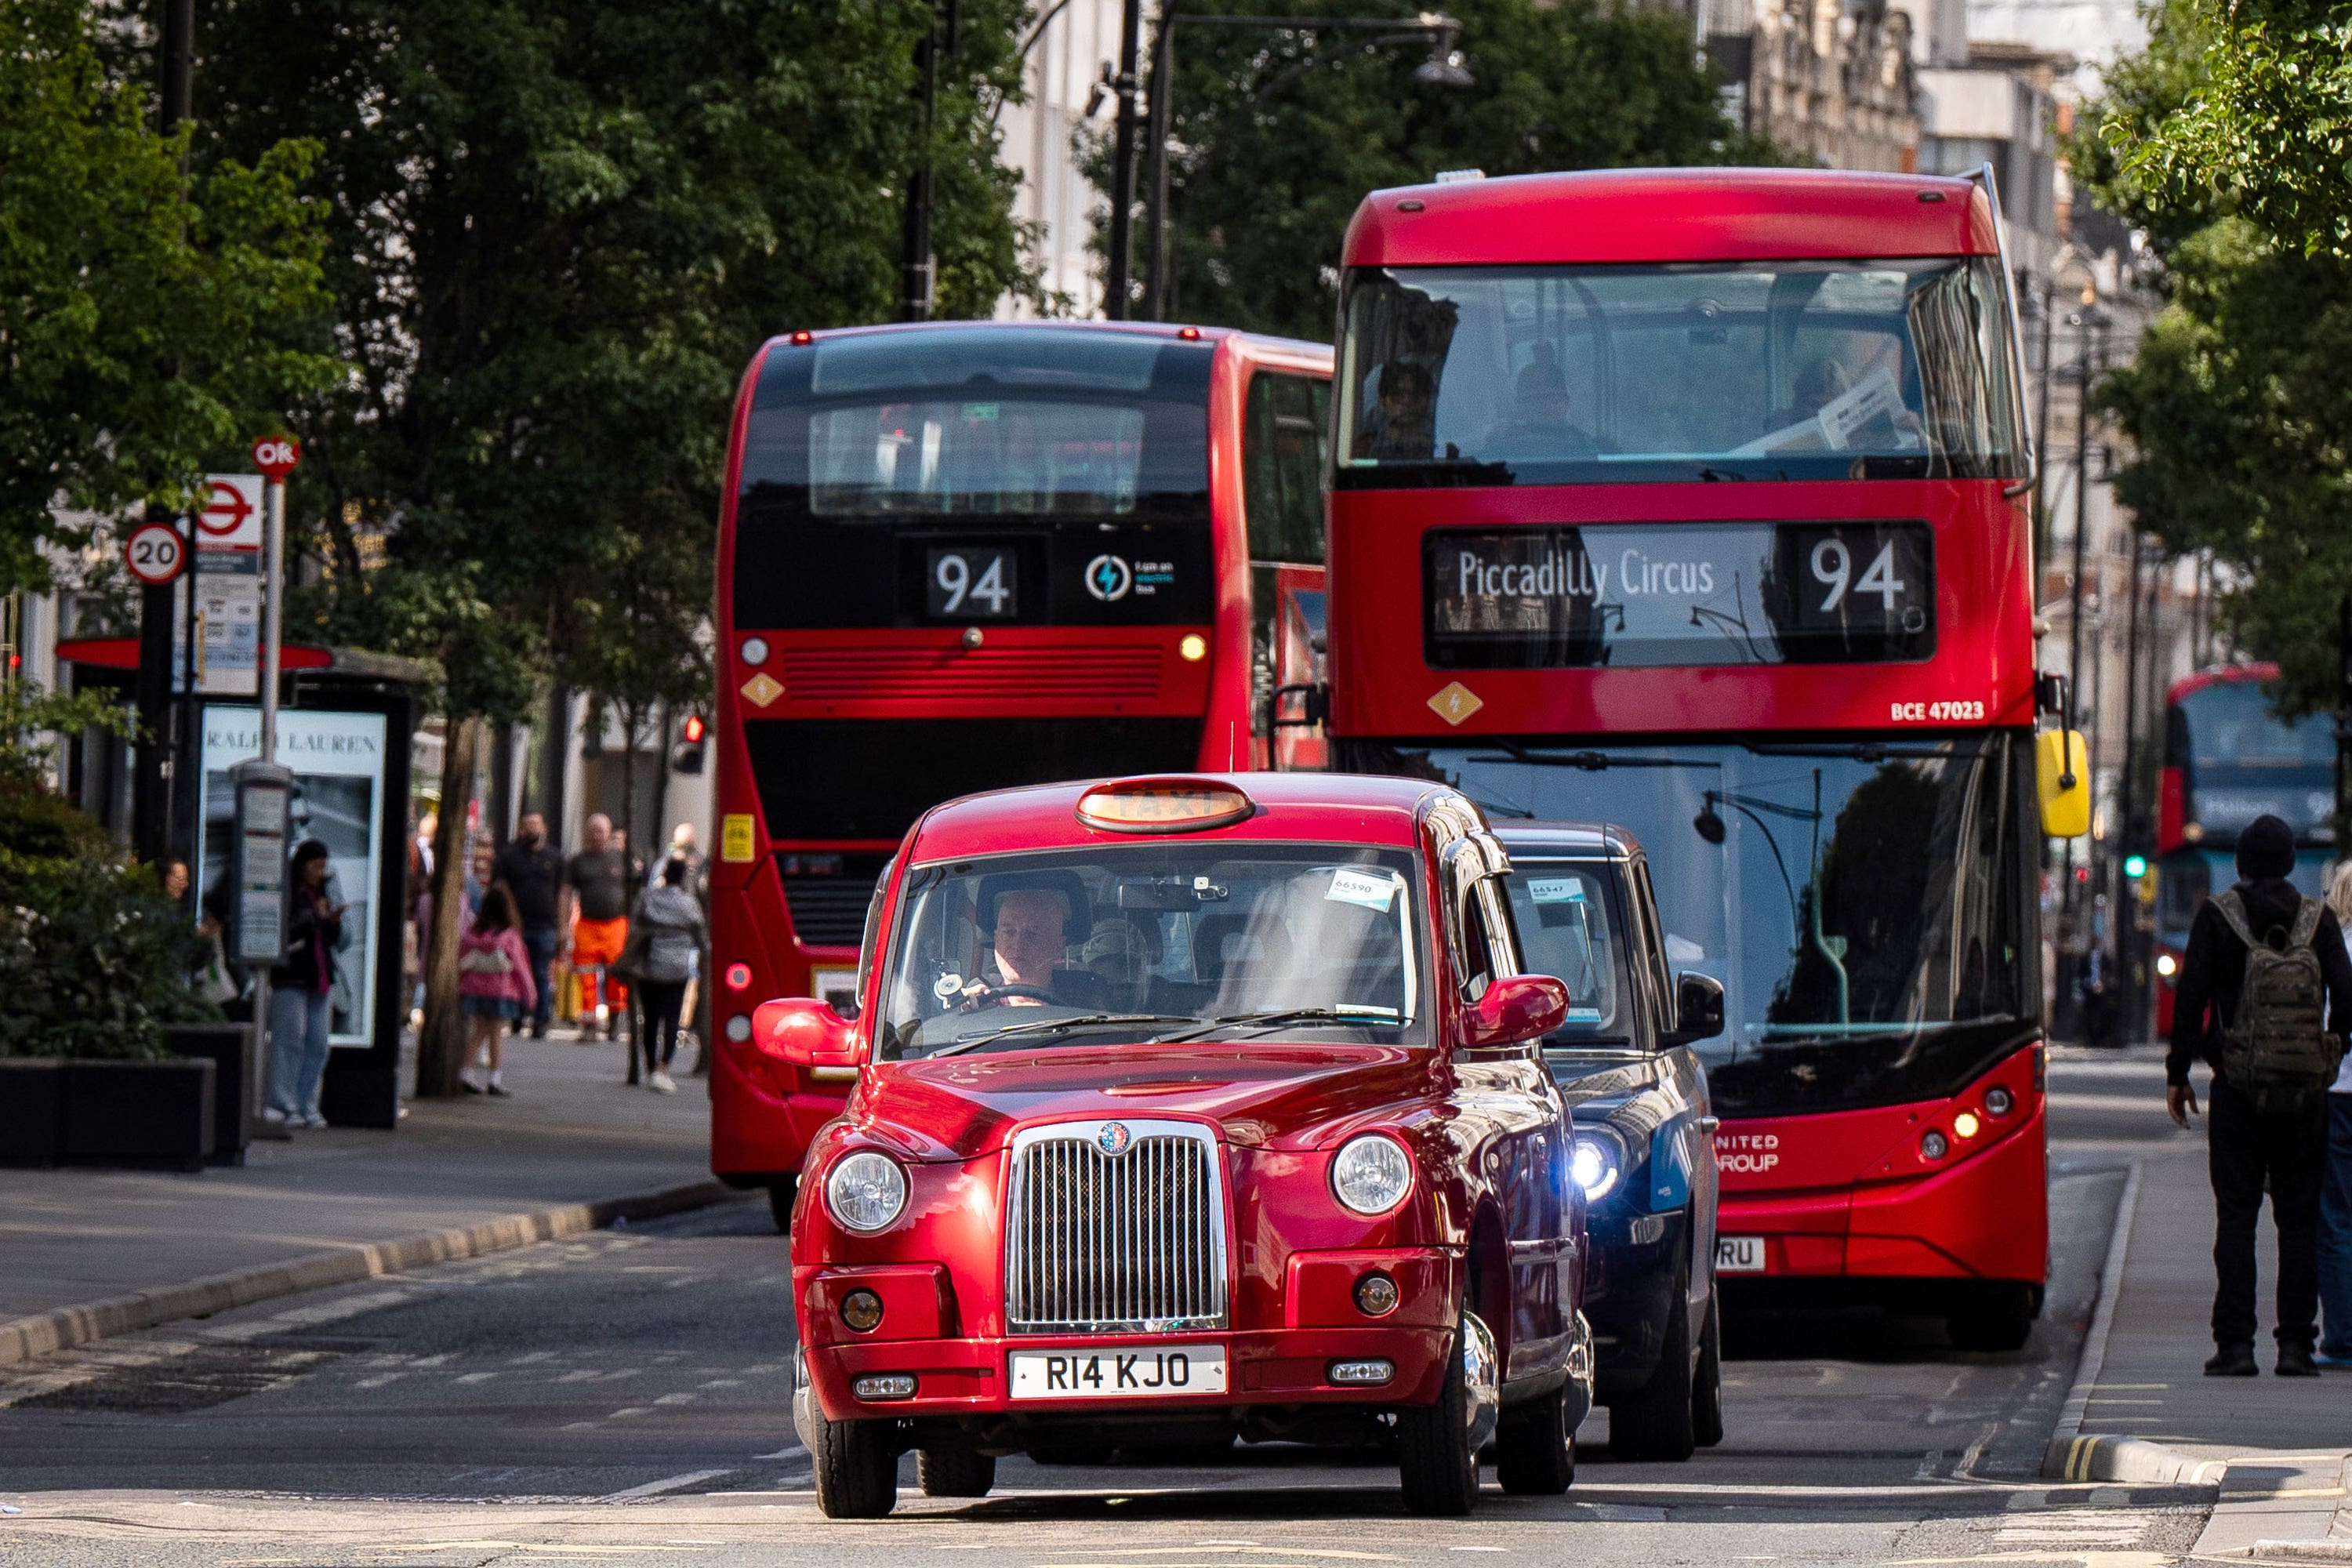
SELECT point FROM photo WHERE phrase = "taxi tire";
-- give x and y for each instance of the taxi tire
(1656, 1421)
(1535, 1453)
(954, 1472)
(1707, 1390)
(780, 1203)
(857, 1466)
(1436, 1469)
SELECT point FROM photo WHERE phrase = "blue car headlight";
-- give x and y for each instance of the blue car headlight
(1598, 1165)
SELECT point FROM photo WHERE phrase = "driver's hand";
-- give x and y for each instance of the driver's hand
(2180, 1101)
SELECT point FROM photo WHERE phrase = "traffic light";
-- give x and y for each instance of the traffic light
(685, 757)
(2134, 867)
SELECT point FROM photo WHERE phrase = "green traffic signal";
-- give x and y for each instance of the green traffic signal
(2134, 867)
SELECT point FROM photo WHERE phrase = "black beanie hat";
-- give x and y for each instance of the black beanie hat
(2266, 849)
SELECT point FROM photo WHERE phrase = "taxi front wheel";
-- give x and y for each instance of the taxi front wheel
(1438, 1444)
(856, 1466)
(954, 1472)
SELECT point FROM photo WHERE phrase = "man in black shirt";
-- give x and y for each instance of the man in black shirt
(2251, 1149)
(532, 869)
(599, 884)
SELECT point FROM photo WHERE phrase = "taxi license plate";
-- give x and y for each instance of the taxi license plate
(1118, 1374)
(1740, 1255)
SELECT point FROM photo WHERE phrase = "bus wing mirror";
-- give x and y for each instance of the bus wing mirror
(2062, 774)
(1698, 1009)
(1516, 1009)
(806, 1033)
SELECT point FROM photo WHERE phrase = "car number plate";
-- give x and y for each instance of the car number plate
(1118, 1374)
(1740, 1255)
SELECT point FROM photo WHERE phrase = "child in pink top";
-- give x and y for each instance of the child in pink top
(493, 982)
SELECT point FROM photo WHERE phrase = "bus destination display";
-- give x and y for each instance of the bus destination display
(1628, 595)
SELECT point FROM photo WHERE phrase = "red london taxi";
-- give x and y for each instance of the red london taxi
(1190, 1109)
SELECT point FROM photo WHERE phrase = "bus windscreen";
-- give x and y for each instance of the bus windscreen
(1862, 903)
(1752, 370)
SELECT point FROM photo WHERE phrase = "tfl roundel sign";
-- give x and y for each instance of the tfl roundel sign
(277, 455)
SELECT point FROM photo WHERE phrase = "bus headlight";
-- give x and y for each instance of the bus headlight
(1371, 1174)
(866, 1191)
(1598, 1162)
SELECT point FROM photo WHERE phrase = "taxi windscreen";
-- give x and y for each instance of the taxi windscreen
(1567, 917)
(1157, 943)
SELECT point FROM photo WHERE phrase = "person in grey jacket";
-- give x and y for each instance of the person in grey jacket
(674, 931)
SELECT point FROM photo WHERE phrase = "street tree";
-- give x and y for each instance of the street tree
(557, 233)
(2238, 403)
(1268, 160)
(2265, 122)
(149, 321)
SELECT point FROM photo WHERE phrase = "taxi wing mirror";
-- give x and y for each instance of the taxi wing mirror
(1516, 1009)
(2062, 775)
(806, 1033)
(1698, 1010)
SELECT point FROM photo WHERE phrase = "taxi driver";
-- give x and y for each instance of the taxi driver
(1031, 937)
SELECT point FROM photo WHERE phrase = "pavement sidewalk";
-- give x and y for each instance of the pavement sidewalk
(93, 1252)
(2142, 1410)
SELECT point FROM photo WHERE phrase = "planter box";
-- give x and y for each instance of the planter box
(229, 1048)
(32, 1110)
(139, 1113)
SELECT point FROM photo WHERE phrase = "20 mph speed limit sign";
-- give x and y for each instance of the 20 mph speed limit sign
(154, 553)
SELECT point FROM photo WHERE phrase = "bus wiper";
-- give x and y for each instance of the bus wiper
(1592, 761)
(963, 1043)
(1872, 752)
(1278, 1017)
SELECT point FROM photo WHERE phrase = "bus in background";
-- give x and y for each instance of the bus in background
(2228, 759)
(1689, 501)
(962, 556)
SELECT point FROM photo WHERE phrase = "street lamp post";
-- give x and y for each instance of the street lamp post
(1442, 68)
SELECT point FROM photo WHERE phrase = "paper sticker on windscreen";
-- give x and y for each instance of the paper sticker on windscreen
(1556, 890)
(1371, 889)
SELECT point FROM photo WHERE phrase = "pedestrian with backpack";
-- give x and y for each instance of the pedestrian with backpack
(2335, 1185)
(2265, 998)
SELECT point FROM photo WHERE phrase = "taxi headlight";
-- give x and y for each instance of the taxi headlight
(1598, 1162)
(1371, 1174)
(865, 1190)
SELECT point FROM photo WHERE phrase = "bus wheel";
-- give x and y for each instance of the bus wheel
(1992, 1318)
(954, 1472)
(1438, 1444)
(1706, 1384)
(1657, 1421)
(1535, 1453)
(780, 1203)
(857, 1466)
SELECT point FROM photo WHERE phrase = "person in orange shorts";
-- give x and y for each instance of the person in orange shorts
(597, 883)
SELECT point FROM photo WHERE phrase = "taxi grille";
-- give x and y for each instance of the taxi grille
(1132, 1242)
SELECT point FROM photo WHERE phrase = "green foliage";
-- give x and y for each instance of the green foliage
(2239, 405)
(559, 232)
(31, 719)
(1261, 188)
(2265, 124)
(93, 958)
(2240, 410)
(143, 316)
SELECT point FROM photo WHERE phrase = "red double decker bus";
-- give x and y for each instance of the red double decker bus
(1689, 501)
(964, 556)
(2228, 759)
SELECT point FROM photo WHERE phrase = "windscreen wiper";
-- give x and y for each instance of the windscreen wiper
(1594, 761)
(963, 1043)
(1280, 1017)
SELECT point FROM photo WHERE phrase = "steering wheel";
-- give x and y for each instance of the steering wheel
(997, 994)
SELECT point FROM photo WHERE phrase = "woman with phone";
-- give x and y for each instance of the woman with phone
(300, 990)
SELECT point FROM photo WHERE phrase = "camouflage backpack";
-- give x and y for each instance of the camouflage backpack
(2277, 1049)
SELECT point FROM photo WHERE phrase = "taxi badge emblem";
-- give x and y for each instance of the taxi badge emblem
(1114, 1138)
(762, 689)
(1455, 702)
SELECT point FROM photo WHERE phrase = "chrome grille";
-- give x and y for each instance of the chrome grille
(1127, 1243)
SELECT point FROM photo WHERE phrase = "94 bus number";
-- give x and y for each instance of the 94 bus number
(1927, 712)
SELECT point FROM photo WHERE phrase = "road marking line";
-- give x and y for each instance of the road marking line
(670, 1484)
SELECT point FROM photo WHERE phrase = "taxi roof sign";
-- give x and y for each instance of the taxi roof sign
(1163, 806)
